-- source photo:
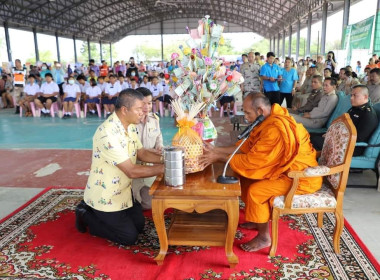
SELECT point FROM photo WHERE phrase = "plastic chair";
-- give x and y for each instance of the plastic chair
(334, 166)
(77, 110)
(37, 111)
(234, 110)
(98, 109)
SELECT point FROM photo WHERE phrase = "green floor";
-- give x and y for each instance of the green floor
(56, 133)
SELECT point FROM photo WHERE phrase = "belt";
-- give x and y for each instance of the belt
(19, 85)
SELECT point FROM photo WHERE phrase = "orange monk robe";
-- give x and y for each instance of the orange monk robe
(275, 147)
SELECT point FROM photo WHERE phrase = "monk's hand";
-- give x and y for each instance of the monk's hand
(207, 158)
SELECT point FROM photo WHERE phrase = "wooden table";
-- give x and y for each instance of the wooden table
(200, 194)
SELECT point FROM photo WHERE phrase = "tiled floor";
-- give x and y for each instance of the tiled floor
(42, 152)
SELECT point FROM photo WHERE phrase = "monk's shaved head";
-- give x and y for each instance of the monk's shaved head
(258, 100)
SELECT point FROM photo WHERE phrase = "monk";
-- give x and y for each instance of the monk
(275, 147)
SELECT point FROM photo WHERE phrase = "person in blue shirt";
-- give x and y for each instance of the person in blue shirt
(288, 83)
(270, 74)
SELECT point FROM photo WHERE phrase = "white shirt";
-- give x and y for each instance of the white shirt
(156, 89)
(31, 89)
(93, 92)
(112, 89)
(136, 86)
(49, 88)
(71, 90)
(124, 85)
(145, 85)
(84, 87)
(102, 86)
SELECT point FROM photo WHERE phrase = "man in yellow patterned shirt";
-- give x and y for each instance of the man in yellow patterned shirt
(108, 209)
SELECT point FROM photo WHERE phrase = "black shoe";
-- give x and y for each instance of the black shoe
(80, 210)
(17, 110)
(225, 114)
(64, 117)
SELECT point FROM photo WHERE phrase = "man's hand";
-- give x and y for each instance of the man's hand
(272, 79)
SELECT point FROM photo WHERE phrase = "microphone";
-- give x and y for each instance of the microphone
(249, 128)
(223, 179)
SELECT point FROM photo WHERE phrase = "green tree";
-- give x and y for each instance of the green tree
(95, 52)
(261, 46)
(45, 56)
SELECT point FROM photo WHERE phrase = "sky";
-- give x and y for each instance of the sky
(22, 43)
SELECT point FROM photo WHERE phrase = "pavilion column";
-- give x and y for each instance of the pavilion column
(89, 49)
(346, 14)
(278, 45)
(290, 41)
(162, 40)
(324, 25)
(111, 53)
(308, 43)
(283, 44)
(57, 43)
(274, 43)
(36, 45)
(7, 41)
(298, 39)
(101, 50)
(75, 50)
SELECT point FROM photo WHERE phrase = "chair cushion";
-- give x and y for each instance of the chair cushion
(323, 198)
(319, 170)
(334, 149)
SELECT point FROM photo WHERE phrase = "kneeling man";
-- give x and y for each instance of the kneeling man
(275, 147)
(108, 209)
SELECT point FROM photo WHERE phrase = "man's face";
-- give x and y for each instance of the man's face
(112, 80)
(121, 80)
(145, 79)
(357, 98)
(147, 105)
(374, 78)
(342, 74)
(312, 71)
(132, 61)
(270, 59)
(31, 80)
(245, 59)
(315, 84)
(327, 73)
(155, 81)
(251, 57)
(327, 87)
(135, 113)
(48, 79)
(250, 113)
(287, 63)
(18, 64)
(319, 59)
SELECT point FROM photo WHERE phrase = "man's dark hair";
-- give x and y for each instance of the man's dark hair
(257, 53)
(328, 69)
(318, 77)
(31, 76)
(48, 75)
(348, 73)
(332, 81)
(375, 70)
(127, 98)
(288, 58)
(81, 77)
(343, 69)
(145, 91)
(269, 54)
(244, 54)
(91, 61)
(112, 76)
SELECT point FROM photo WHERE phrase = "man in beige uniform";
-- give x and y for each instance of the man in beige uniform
(150, 135)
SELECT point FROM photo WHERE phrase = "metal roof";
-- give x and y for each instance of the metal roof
(112, 20)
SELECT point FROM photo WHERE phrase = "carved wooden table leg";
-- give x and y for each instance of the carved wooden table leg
(232, 209)
(158, 208)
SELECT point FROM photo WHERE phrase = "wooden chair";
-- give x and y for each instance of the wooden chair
(334, 166)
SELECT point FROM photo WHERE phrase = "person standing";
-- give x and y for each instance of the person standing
(150, 135)
(251, 75)
(270, 75)
(288, 83)
(19, 76)
(108, 209)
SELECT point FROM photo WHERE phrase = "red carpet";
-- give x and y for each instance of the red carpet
(39, 240)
